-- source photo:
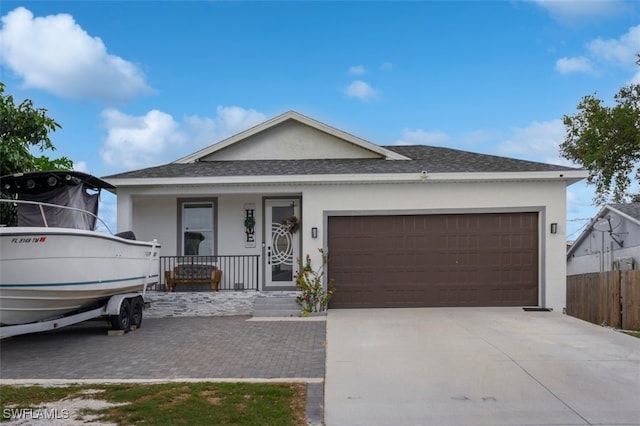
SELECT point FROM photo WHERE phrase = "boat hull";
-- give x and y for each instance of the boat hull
(49, 272)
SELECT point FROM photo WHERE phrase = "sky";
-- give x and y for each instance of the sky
(142, 83)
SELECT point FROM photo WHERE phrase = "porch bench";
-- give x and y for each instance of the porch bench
(193, 274)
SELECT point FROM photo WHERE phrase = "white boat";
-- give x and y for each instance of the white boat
(54, 262)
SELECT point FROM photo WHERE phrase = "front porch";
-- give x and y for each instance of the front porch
(226, 242)
(230, 272)
(238, 290)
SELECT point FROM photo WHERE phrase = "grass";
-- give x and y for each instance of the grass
(170, 403)
(633, 333)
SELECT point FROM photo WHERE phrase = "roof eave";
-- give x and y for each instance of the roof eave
(569, 177)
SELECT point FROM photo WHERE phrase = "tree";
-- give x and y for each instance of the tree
(606, 141)
(24, 128)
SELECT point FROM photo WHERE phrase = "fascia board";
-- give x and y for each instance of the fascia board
(570, 176)
(266, 180)
(349, 178)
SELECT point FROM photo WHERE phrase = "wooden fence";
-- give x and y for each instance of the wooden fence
(611, 298)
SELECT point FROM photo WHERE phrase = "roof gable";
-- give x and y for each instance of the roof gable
(291, 136)
(625, 211)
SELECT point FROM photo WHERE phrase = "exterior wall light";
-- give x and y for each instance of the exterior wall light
(554, 228)
(314, 232)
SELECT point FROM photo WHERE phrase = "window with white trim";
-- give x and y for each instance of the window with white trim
(197, 228)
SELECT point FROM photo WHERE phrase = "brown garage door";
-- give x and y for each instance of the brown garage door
(434, 260)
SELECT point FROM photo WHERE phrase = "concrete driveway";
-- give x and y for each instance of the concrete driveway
(477, 366)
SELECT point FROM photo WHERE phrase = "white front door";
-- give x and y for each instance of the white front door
(282, 242)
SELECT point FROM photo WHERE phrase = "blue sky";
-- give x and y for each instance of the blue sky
(137, 84)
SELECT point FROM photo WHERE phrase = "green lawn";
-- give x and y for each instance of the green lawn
(163, 404)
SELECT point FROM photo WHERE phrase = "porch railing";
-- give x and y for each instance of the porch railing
(239, 272)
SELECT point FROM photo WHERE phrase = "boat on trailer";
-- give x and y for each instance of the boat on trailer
(55, 263)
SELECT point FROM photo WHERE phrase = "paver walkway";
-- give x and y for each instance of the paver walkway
(171, 349)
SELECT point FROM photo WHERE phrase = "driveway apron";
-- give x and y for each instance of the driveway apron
(477, 366)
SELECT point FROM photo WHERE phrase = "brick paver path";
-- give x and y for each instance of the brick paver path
(170, 348)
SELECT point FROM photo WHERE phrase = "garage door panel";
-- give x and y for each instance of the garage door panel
(359, 297)
(434, 260)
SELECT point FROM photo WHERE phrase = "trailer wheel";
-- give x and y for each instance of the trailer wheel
(137, 305)
(122, 321)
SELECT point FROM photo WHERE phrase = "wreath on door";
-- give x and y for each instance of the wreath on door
(291, 224)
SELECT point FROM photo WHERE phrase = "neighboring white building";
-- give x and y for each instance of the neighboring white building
(403, 225)
(610, 241)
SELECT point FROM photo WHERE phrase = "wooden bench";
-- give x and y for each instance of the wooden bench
(193, 273)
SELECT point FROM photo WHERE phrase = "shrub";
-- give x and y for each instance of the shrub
(314, 297)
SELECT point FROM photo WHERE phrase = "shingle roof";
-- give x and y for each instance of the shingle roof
(427, 158)
(630, 209)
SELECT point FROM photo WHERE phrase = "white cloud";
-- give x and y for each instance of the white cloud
(235, 119)
(570, 65)
(135, 142)
(477, 141)
(421, 137)
(357, 70)
(228, 121)
(572, 11)
(55, 54)
(361, 90)
(81, 166)
(538, 142)
(620, 52)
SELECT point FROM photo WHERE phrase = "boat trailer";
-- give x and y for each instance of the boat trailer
(123, 310)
